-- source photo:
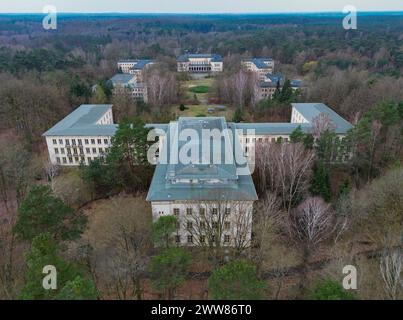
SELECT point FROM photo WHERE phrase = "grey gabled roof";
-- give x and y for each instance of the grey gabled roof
(121, 79)
(308, 111)
(259, 62)
(214, 57)
(273, 128)
(82, 122)
(312, 110)
(273, 79)
(141, 64)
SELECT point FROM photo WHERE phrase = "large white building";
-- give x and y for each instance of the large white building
(135, 67)
(123, 82)
(82, 136)
(200, 63)
(260, 66)
(270, 83)
(212, 199)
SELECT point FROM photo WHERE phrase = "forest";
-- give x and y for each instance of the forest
(93, 223)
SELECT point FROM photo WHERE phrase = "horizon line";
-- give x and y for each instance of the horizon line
(203, 13)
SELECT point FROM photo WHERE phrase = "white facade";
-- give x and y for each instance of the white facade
(259, 66)
(74, 150)
(126, 65)
(200, 64)
(67, 143)
(234, 220)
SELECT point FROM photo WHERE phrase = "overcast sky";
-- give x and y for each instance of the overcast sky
(198, 6)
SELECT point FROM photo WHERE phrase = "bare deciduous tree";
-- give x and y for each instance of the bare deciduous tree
(320, 124)
(51, 171)
(391, 268)
(311, 223)
(240, 81)
(284, 169)
(161, 87)
(220, 224)
(267, 225)
(121, 240)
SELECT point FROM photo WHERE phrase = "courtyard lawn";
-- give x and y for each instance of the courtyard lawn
(202, 110)
(198, 87)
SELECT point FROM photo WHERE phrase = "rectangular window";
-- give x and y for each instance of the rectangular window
(176, 211)
(60, 141)
(64, 160)
(106, 141)
(226, 238)
(88, 150)
(93, 141)
(54, 141)
(100, 150)
(73, 142)
(214, 211)
(56, 150)
(190, 239)
(80, 142)
(227, 225)
(99, 141)
(86, 141)
(58, 160)
(227, 211)
(89, 160)
(76, 159)
(189, 225)
(62, 150)
(70, 160)
(81, 151)
(189, 211)
(67, 142)
(94, 150)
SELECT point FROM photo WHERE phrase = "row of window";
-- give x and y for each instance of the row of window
(72, 160)
(202, 224)
(80, 151)
(202, 239)
(79, 142)
(247, 140)
(202, 211)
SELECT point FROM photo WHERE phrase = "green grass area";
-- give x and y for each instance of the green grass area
(202, 110)
(200, 89)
